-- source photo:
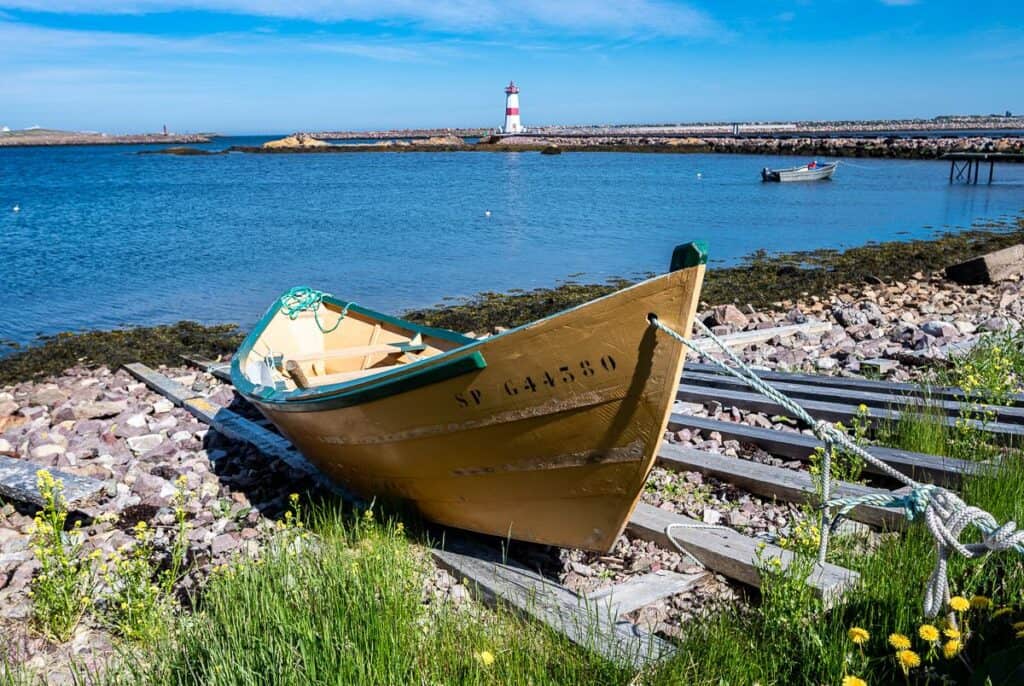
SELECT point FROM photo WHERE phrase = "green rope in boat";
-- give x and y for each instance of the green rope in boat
(944, 513)
(301, 298)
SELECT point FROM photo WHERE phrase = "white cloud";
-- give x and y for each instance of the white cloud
(577, 16)
(34, 43)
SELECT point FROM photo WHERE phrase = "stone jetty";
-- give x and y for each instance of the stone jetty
(923, 148)
(103, 424)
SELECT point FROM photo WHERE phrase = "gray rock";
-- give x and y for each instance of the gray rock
(46, 451)
(722, 315)
(8, 407)
(939, 329)
(48, 396)
(849, 315)
(144, 443)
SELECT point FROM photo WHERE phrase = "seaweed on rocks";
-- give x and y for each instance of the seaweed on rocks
(762, 279)
(151, 345)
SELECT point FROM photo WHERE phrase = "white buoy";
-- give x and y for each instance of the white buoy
(487, 213)
(699, 175)
(17, 208)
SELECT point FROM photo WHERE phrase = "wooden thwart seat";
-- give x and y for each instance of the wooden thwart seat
(305, 381)
(358, 351)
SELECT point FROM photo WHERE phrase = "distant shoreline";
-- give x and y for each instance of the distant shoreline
(51, 138)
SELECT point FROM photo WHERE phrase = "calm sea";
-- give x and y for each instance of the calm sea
(106, 237)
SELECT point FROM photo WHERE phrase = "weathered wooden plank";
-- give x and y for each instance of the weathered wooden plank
(945, 471)
(995, 266)
(18, 482)
(220, 370)
(588, 624)
(951, 408)
(870, 385)
(744, 338)
(165, 386)
(731, 553)
(775, 482)
(834, 411)
(640, 591)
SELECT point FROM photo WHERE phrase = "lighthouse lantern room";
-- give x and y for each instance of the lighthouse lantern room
(512, 122)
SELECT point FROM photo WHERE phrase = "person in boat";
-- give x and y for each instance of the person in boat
(813, 164)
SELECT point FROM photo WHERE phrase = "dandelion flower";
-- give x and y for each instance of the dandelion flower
(928, 632)
(899, 641)
(908, 659)
(959, 603)
(951, 649)
(980, 602)
(951, 632)
(862, 408)
(854, 681)
(485, 657)
(858, 636)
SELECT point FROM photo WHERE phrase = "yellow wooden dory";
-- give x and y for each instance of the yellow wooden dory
(543, 433)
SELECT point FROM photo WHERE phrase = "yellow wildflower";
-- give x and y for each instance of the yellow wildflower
(959, 603)
(854, 681)
(929, 633)
(950, 649)
(980, 602)
(951, 632)
(485, 657)
(1018, 626)
(908, 659)
(899, 641)
(862, 408)
(858, 636)
(294, 497)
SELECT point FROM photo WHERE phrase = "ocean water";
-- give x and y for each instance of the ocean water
(106, 237)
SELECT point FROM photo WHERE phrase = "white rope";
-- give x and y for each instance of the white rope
(695, 525)
(945, 514)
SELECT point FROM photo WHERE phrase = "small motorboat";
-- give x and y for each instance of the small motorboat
(808, 172)
(545, 433)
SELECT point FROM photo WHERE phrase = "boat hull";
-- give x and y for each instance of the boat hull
(551, 441)
(820, 173)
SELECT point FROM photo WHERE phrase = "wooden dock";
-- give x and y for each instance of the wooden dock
(962, 164)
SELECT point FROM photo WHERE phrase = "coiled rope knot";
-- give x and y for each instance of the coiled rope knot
(302, 298)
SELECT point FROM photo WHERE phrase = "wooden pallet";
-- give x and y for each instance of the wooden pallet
(832, 411)
(855, 383)
(854, 397)
(945, 471)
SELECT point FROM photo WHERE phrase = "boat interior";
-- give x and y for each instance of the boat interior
(296, 354)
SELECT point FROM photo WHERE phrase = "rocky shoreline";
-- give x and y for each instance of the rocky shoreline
(101, 423)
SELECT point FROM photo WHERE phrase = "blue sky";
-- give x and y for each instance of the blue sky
(245, 66)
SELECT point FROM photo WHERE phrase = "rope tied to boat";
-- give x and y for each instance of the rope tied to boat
(945, 514)
(302, 298)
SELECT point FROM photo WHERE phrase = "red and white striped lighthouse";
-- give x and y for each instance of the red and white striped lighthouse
(512, 123)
